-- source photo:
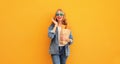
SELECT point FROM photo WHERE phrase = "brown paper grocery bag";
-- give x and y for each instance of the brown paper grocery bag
(64, 34)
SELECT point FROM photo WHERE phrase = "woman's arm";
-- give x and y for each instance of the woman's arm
(70, 39)
(52, 29)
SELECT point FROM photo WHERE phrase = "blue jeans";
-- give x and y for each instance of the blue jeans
(61, 57)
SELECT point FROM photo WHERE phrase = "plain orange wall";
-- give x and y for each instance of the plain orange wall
(24, 31)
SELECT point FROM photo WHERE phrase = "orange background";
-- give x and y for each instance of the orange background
(24, 31)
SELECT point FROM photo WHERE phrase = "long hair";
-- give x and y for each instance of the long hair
(64, 22)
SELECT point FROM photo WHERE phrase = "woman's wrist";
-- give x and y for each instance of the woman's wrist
(55, 25)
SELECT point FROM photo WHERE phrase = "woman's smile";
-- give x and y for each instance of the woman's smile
(59, 17)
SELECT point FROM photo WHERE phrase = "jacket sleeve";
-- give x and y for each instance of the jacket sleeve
(71, 39)
(51, 34)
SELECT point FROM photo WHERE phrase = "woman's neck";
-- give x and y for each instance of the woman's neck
(59, 23)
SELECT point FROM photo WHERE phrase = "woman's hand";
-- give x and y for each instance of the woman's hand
(65, 39)
(55, 22)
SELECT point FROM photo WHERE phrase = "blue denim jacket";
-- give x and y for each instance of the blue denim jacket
(54, 45)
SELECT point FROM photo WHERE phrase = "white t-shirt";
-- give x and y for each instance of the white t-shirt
(59, 30)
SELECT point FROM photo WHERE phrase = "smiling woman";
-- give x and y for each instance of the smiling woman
(59, 51)
(95, 25)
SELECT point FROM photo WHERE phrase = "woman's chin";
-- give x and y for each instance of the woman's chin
(59, 19)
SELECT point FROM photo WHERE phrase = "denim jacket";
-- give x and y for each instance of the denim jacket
(54, 45)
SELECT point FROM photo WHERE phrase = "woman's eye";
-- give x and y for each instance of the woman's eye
(61, 14)
(57, 14)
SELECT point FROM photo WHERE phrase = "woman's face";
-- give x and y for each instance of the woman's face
(59, 15)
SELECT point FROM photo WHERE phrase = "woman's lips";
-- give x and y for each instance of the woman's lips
(59, 17)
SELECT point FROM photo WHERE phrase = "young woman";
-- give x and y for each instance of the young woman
(59, 52)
